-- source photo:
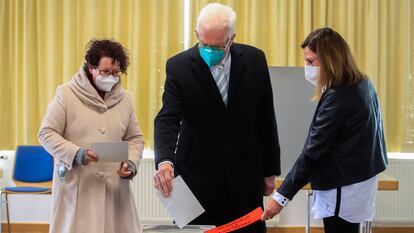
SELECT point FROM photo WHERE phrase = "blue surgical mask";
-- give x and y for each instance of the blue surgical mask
(211, 56)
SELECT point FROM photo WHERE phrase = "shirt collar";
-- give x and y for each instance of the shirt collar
(226, 62)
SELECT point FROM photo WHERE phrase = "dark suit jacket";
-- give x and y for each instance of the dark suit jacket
(222, 153)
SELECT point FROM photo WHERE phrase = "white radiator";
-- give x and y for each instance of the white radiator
(397, 207)
(149, 207)
(393, 207)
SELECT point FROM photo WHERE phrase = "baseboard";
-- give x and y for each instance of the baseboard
(24, 227)
(320, 230)
(293, 229)
(44, 228)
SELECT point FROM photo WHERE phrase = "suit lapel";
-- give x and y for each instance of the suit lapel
(204, 74)
(236, 68)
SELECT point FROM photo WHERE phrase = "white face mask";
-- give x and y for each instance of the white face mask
(311, 74)
(105, 83)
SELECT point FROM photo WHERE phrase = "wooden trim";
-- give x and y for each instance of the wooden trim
(320, 230)
(47, 184)
(44, 228)
(393, 230)
(294, 230)
(385, 183)
(26, 227)
(28, 193)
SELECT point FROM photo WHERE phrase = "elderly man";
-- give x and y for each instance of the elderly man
(217, 126)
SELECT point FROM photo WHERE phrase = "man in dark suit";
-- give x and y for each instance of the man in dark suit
(217, 126)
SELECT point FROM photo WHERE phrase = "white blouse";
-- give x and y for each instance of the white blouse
(357, 201)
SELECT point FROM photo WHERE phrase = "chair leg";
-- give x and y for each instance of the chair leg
(7, 213)
(1, 209)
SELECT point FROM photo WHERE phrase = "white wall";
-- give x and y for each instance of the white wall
(393, 208)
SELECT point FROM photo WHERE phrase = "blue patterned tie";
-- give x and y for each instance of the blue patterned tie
(222, 82)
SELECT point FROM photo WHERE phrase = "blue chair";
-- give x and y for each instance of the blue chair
(32, 173)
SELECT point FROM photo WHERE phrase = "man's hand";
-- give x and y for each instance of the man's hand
(123, 171)
(163, 179)
(269, 185)
(272, 208)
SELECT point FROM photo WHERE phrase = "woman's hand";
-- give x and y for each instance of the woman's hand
(272, 208)
(91, 157)
(123, 171)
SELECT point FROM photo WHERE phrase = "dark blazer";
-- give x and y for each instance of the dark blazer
(345, 144)
(222, 153)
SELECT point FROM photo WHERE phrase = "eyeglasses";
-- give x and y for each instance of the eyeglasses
(106, 73)
(310, 61)
(221, 47)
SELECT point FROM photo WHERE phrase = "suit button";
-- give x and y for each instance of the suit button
(102, 131)
(228, 149)
(100, 176)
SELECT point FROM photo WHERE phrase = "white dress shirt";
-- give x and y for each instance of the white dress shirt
(226, 62)
(357, 201)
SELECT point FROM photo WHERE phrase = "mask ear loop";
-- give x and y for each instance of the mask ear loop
(226, 52)
(95, 70)
(227, 43)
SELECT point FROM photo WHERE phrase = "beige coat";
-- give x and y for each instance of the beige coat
(91, 198)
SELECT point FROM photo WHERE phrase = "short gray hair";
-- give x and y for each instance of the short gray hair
(217, 16)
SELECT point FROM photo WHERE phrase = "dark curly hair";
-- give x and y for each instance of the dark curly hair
(96, 49)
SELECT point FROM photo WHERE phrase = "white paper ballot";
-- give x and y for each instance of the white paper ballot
(111, 151)
(182, 205)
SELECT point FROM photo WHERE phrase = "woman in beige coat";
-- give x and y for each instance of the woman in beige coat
(91, 197)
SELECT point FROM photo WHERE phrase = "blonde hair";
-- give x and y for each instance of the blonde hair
(217, 16)
(337, 65)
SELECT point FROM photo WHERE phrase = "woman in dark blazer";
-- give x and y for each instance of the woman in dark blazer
(345, 147)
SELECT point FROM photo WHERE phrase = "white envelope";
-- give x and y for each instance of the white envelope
(182, 205)
(111, 151)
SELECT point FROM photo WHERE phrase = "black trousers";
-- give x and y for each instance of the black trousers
(230, 207)
(336, 224)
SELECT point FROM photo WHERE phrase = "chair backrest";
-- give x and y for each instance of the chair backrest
(32, 164)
